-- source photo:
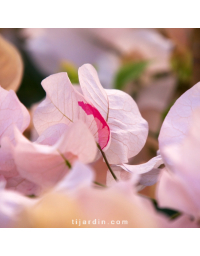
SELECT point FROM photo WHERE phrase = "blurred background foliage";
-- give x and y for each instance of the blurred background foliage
(182, 61)
(129, 72)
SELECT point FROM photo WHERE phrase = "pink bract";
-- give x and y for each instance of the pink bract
(62, 105)
(12, 113)
(104, 131)
(47, 164)
(179, 143)
(111, 115)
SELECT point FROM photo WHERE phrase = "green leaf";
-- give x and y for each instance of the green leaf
(129, 72)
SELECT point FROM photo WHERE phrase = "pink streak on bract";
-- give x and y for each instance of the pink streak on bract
(103, 128)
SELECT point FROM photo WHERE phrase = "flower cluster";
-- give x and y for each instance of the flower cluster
(76, 125)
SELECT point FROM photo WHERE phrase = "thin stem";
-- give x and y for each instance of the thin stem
(97, 183)
(108, 165)
(66, 161)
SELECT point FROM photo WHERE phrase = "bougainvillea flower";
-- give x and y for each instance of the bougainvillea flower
(9, 170)
(183, 176)
(11, 66)
(12, 112)
(11, 205)
(104, 111)
(128, 128)
(64, 104)
(46, 164)
(72, 201)
(178, 121)
(179, 146)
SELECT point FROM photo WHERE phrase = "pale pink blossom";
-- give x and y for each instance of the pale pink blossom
(111, 115)
(178, 186)
(128, 128)
(12, 112)
(47, 160)
(64, 104)
(11, 205)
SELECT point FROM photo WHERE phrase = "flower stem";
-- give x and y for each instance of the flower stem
(108, 165)
(97, 183)
(66, 161)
